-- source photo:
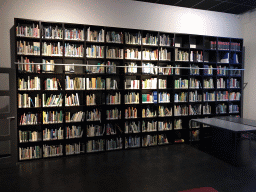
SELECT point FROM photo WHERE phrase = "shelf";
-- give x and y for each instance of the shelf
(104, 99)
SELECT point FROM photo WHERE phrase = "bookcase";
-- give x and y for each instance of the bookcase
(85, 89)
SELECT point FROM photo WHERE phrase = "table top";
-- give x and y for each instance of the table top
(227, 125)
(239, 120)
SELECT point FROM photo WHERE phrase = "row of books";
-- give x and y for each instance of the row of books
(149, 126)
(180, 110)
(164, 97)
(91, 99)
(95, 83)
(53, 100)
(50, 117)
(221, 83)
(74, 34)
(133, 38)
(149, 140)
(95, 51)
(35, 152)
(208, 83)
(209, 96)
(132, 127)
(150, 39)
(196, 56)
(114, 144)
(78, 83)
(132, 53)
(75, 117)
(149, 68)
(50, 32)
(195, 109)
(194, 70)
(53, 134)
(150, 54)
(110, 129)
(162, 83)
(132, 142)
(30, 84)
(94, 115)
(111, 83)
(52, 84)
(27, 65)
(73, 50)
(29, 136)
(130, 68)
(164, 125)
(221, 108)
(96, 36)
(52, 150)
(148, 112)
(75, 148)
(28, 30)
(98, 68)
(114, 37)
(131, 83)
(56, 32)
(113, 99)
(95, 145)
(95, 130)
(72, 100)
(181, 55)
(165, 40)
(233, 108)
(112, 114)
(233, 46)
(130, 113)
(52, 49)
(26, 101)
(149, 83)
(164, 111)
(162, 139)
(195, 97)
(181, 97)
(149, 97)
(32, 152)
(114, 53)
(193, 83)
(30, 119)
(222, 96)
(132, 98)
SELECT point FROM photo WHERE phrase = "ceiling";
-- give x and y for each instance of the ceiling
(226, 6)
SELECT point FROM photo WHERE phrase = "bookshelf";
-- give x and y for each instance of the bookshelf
(85, 89)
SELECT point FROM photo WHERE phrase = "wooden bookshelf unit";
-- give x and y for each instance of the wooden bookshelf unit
(84, 89)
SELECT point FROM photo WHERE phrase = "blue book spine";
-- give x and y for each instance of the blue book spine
(155, 96)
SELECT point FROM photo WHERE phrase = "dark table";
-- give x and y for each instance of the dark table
(226, 135)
